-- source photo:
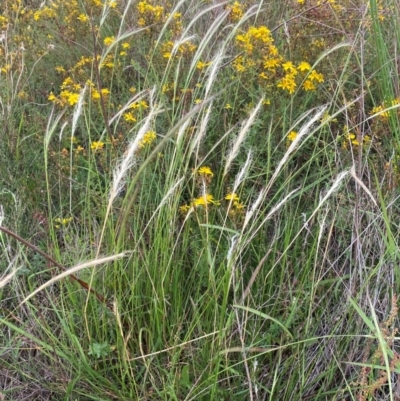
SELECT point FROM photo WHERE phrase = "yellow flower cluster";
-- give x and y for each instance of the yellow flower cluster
(353, 140)
(255, 38)
(381, 110)
(262, 56)
(236, 11)
(69, 94)
(184, 49)
(235, 206)
(3, 22)
(148, 138)
(97, 145)
(137, 107)
(205, 174)
(149, 14)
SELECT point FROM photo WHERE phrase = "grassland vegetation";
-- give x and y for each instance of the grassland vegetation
(199, 200)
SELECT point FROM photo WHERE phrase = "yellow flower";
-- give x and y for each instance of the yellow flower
(272, 63)
(129, 117)
(288, 66)
(205, 171)
(83, 17)
(354, 140)
(309, 86)
(142, 104)
(79, 149)
(201, 65)
(52, 97)
(304, 66)
(236, 11)
(232, 197)
(287, 83)
(97, 145)
(315, 76)
(253, 38)
(68, 97)
(238, 206)
(109, 40)
(292, 136)
(148, 138)
(383, 114)
(205, 200)
(184, 208)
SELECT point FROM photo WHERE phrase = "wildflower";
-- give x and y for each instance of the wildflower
(239, 64)
(83, 17)
(67, 97)
(301, 2)
(97, 145)
(273, 50)
(228, 106)
(289, 67)
(254, 37)
(109, 40)
(383, 114)
(184, 208)
(272, 63)
(97, 95)
(148, 138)
(205, 171)
(292, 136)
(205, 200)
(142, 104)
(129, 117)
(232, 197)
(201, 65)
(79, 149)
(149, 14)
(309, 85)
(354, 140)
(108, 62)
(315, 76)
(304, 66)
(287, 83)
(236, 11)
(52, 97)
(238, 206)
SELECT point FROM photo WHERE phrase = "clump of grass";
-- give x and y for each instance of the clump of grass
(241, 157)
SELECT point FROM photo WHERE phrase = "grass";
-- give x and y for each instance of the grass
(199, 200)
